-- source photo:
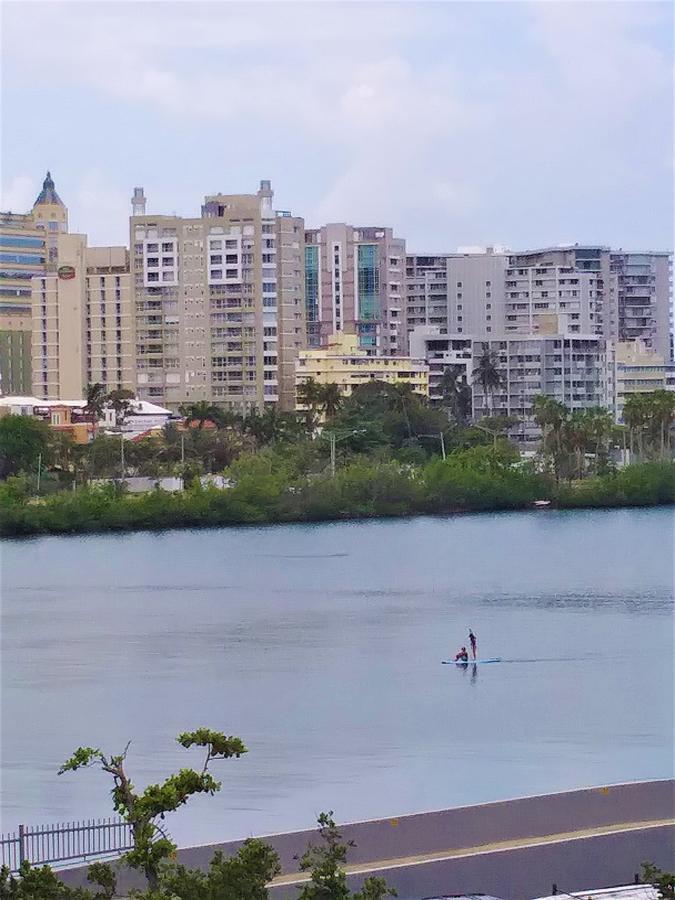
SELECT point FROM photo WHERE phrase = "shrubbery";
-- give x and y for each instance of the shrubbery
(268, 487)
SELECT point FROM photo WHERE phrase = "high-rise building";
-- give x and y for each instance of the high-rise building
(82, 321)
(564, 290)
(639, 370)
(219, 302)
(577, 370)
(355, 282)
(27, 248)
(459, 293)
(643, 283)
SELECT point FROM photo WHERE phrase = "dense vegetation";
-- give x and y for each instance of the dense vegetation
(383, 452)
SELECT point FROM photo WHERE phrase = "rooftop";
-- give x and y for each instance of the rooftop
(48, 193)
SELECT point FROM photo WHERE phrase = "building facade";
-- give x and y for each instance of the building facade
(577, 370)
(459, 293)
(643, 286)
(355, 282)
(565, 290)
(639, 370)
(27, 248)
(82, 322)
(344, 363)
(219, 302)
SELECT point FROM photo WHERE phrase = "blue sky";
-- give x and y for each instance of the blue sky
(521, 124)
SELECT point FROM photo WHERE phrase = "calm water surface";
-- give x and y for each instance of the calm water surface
(321, 647)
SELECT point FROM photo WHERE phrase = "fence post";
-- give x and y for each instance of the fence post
(22, 849)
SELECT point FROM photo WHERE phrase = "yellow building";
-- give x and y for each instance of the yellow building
(639, 370)
(343, 363)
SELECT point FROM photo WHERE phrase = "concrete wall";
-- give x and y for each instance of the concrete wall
(472, 826)
(573, 865)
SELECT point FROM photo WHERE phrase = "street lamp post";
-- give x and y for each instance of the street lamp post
(333, 441)
(439, 437)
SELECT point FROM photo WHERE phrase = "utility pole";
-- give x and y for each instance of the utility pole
(182, 449)
(122, 454)
(332, 455)
(39, 471)
(442, 446)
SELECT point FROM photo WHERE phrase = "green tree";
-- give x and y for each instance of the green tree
(663, 406)
(120, 401)
(330, 400)
(636, 417)
(309, 396)
(487, 373)
(550, 415)
(95, 397)
(325, 864)
(244, 876)
(201, 412)
(23, 439)
(143, 810)
(456, 393)
(600, 429)
(664, 882)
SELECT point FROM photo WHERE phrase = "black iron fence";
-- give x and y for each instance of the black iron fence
(65, 842)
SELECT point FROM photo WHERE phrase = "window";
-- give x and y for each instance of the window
(167, 260)
(216, 259)
(153, 262)
(167, 248)
(216, 245)
(231, 273)
(231, 259)
(152, 248)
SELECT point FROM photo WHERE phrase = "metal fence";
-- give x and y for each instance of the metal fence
(68, 841)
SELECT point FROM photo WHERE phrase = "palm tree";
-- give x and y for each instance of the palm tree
(636, 415)
(550, 415)
(487, 373)
(663, 404)
(456, 393)
(96, 397)
(309, 397)
(600, 426)
(331, 400)
(201, 412)
(575, 434)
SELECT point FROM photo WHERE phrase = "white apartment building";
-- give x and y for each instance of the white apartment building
(578, 370)
(355, 282)
(459, 293)
(219, 302)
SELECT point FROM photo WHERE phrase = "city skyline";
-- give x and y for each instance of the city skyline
(151, 105)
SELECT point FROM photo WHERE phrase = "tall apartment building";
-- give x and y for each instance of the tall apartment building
(561, 290)
(355, 282)
(643, 285)
(578, 370)
(459, 293)
(82, 321)
(219, 302)
(27, 248)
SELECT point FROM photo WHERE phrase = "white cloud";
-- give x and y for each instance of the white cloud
(19, 194)
(99, 209)
(405, 138)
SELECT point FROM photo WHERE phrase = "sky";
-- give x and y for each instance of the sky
(455, 123)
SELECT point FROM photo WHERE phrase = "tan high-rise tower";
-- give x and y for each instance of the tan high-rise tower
(28, 247)
(219, 302)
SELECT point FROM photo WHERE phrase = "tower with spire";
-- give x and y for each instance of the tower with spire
(50, 214)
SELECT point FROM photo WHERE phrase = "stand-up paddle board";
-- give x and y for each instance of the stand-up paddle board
(469, 662)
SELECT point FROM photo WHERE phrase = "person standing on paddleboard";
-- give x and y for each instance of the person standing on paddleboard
(472, 639)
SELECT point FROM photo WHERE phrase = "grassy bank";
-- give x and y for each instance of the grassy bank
(268, 491)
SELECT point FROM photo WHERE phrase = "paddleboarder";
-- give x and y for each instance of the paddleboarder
(472, 639)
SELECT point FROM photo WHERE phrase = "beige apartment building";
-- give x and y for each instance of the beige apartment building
(344, 363)
(355, 282)
(28, 247)
(218, 302)
(82, 322)
(639, 370)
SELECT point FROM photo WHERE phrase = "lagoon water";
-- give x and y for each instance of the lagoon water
(321, 647)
